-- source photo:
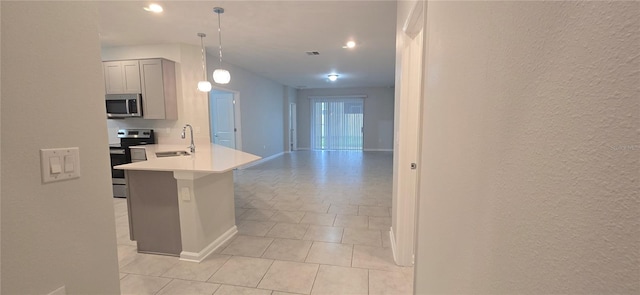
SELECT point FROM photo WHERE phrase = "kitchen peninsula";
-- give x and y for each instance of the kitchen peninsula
(182, 203)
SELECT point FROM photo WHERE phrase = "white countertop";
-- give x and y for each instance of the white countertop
(211, 158)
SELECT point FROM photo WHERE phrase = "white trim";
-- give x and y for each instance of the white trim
(236, 114)
(393, 245)
(198, 257)
(414, 22)
(258, 162)
(378, 150)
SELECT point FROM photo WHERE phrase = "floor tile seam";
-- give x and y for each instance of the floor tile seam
(225, 262)
(353, 249)
(170, 268)
(232, 285)
(265, 249)
(315, 278)
(309, 252)
(163, 287)
(190, 280)
(265, 274)
(270, 264)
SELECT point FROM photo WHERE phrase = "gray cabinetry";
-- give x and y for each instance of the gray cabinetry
(158, 81)
(155, 79)
(122, 77)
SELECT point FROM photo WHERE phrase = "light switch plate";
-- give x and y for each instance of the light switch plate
(67, 158)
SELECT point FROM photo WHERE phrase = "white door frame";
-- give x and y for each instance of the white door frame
(236, 115)
(403, 231)
(293, 127)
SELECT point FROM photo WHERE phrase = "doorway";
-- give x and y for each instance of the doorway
(337, 123)
(293, 122)
(408, 137)
(223, 118)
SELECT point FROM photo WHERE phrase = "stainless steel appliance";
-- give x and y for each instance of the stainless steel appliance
(124, 105)
(121, 154)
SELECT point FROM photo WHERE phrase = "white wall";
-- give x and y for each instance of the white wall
(378, 115)
(530, 139)
(261, 107)
(260, 100)
(60, 233)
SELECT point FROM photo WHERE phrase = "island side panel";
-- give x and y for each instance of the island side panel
(154, 213)
(208, 215)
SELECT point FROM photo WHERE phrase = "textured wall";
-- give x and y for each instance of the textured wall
(60, 233)
(530, 149)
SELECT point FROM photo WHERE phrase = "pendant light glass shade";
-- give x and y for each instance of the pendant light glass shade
(220, 75)
(204, 85)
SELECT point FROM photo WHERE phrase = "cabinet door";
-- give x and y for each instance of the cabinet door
(152, 89)
(131, 76)
(113, 82)
(121, 77)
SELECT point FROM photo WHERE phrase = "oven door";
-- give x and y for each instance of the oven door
(118, 157)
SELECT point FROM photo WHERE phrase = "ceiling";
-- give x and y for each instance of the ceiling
(271, 38)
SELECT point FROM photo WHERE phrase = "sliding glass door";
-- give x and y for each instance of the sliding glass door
(337, 123)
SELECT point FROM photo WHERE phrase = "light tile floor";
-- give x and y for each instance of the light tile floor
(309, 223)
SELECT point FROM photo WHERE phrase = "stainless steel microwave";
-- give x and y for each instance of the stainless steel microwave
(124, 105)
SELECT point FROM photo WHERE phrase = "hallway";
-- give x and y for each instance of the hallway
(309, 222)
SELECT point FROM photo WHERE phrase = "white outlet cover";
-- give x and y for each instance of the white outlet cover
(70, 154)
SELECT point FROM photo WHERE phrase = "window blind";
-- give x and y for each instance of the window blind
(337, 123)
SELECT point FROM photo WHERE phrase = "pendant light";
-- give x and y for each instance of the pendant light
(204, 85)
(220, 75)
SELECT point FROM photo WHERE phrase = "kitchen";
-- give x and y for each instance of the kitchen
(258, 97)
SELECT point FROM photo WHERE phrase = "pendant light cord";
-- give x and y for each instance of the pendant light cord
(220, 36)
(204, 58)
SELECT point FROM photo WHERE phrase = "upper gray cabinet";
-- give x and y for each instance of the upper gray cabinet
(122, 77)
(158, 78)
(155, 79)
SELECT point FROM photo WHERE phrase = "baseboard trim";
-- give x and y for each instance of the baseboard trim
(198, 257)
(378, 150)
(261, 161)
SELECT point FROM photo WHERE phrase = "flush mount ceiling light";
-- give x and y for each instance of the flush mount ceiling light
(350, 44)
(204, 85)
(332, 77)
(156, 8)
(220, 75)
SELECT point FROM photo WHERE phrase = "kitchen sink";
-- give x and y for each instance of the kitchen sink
(172, 154)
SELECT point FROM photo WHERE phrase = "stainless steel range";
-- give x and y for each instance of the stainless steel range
(121, 154)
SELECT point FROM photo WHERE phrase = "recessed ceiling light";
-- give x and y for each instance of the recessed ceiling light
(332, 77)
(154, 8)
(350, 44)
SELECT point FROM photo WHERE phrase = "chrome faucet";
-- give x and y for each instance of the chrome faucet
(192, 147)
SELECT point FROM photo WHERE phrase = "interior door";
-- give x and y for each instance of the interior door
(222, 118)
(293, 137)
